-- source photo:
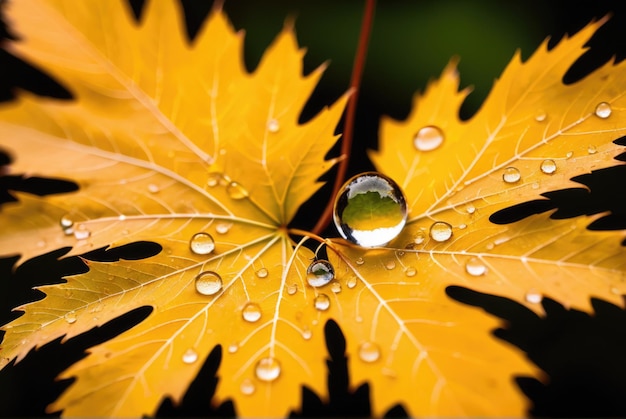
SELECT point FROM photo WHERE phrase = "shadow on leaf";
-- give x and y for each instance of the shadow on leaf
(341, 400)
(597, 197)
(582, 354)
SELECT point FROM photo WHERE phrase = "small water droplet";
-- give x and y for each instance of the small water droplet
(592, 149)
(320, 273)
(262, 273)
(428, 138)
(410, 271)
(208, 283)
(548, 166)
(569, 154)
(462, 226)
(470, 209)
(335, 287)
(540, 116)
(370, 210)
(390, 264)
(201, 243)
(533, 297)
(360, 261)
(603, 110)
(233, 347)
(475, 267)
(440, 231)
(616, 291)
(369, 351)
(292, 289)
(223, 228)
(267, 369)
(535, 185)
(214, 179)
(190, 356)
(322, 302)
(307, 333)
(236, 191)
(247, 387)
(251, 312)
(273, 125)
(66, 221)
(81, 233)
(351, 282)
(511, 175)
(70, 317)
(152, 188)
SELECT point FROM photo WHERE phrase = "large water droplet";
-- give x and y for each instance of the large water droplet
(320, 273)
(428, 138)
(273, 125)
(247, 387)
(475, 267)
(548, 166)
(208, 283)
(251, 312)
(603, 110)
(322, 302)
(190, 356)
(369, 351)
(262, 273)
(511, 175)
(202, 243)
(267, 369)
(440, 231)
(370, 210)
(236, 191)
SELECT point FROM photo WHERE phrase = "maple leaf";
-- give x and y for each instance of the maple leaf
(167, 140)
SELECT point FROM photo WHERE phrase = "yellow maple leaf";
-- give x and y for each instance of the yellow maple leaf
(178, 145)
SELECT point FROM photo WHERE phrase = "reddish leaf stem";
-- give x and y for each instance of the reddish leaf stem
(348, 131)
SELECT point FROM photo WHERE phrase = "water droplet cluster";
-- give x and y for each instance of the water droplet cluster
(370, 210)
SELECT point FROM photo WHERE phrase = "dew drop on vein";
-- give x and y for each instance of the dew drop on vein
(201, 243)
(511, 175)
(475, 267)
(321, 302)
(351, 282)
(440, 231)
(428, 138)
(251, 312)
(208, 283)
(369, 352)
(273, 125)
(603, 110)
(320, 273)
(267, 369)
(370, 210)
(190, 356)
(548, 166)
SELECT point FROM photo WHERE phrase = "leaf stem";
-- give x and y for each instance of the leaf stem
(348, 131)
